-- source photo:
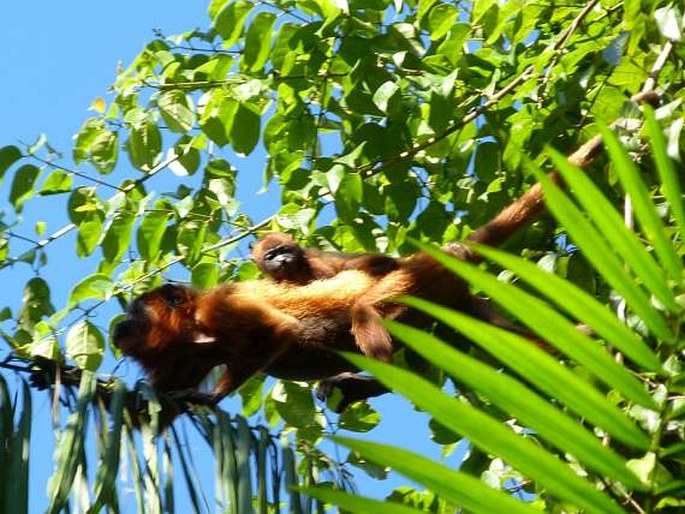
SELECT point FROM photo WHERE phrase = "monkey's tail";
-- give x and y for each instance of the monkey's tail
(527, 207)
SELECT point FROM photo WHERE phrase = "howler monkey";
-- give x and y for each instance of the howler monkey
(288, 328)
(178, 334)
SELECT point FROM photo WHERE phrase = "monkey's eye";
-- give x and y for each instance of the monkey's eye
(174, 300)
(274, 252)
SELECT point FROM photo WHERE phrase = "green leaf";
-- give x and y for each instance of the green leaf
(187, 157)
(670, 184)
(205, 275)
(245, 129)
(217, 67)
(36, 302)
(647, 217)
(301, 132)
(400, 200)
(258, 42)
(104, 151)
(441, 20)
(580, 305)
(480, 8)
(294, 403)
(514, 397)
(96, 286)
(150, 234)
(252, 395)
(98, 144)
(89, 232)
(85, 345)
(217, 117)
(45, 344)
(355, 503)
(348, 196)
(553, 328)
(16, 486)
(189, 240)
(290, 481)
(230, 21)
(8, 156)
(86, 213)
(215, 7)
(541, 370)
(144, 146)
(359, 417)
(243, 450)
(59, 181)
(69, 453)
(84, 139)
(623, 241)
(600, 254)
(176, 111)
(117, 240)
(23, 184)
(489, 435)
(384, 94)
(223, 445)
(107, 472)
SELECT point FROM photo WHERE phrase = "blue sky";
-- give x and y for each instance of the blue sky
(58, 57)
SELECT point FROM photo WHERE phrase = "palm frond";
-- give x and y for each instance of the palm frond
(565, 412)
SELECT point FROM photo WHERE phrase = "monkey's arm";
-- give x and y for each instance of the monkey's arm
(252, 332)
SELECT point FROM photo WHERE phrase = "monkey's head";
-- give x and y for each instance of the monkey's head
(279, 256)
(162, 334)
(157, 319)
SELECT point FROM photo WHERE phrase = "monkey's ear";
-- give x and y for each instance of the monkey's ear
(202, 338)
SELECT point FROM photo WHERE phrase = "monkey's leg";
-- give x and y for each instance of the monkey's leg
(371, 337)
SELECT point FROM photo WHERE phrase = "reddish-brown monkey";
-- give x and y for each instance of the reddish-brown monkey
(178, 335)
(288, 329)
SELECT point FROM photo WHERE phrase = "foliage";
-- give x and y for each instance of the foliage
(379, 124)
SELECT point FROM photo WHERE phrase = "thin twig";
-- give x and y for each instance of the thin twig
(74, 172)
(71, 226)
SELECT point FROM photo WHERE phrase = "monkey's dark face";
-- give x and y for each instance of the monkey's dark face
(283, 262)
(156, 319)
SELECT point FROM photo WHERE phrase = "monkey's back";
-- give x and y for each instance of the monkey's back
(319, 299)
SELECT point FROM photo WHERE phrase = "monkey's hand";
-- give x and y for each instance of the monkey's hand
(352, 386)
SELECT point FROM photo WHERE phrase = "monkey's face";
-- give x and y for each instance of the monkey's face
(156, 319)
(285, 261)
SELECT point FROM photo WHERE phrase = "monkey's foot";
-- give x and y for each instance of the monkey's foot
(194, 397)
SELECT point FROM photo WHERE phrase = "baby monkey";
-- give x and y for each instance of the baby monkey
(280, 257)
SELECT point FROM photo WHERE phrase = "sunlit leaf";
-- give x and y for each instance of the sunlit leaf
(85, 345)
(8, 156)
(23, 184)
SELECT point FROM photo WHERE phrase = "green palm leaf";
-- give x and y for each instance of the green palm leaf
(579, 304)
(599, 252)
(464, 490)
(491, 436)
